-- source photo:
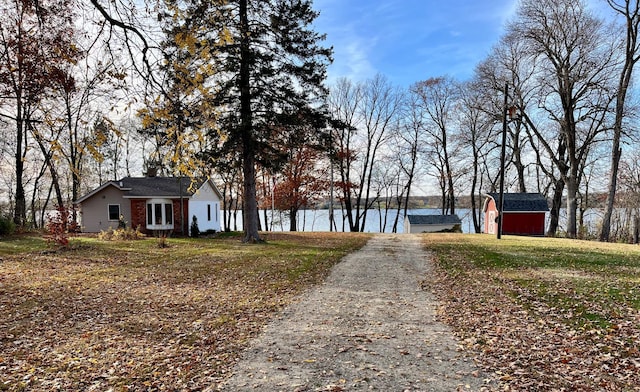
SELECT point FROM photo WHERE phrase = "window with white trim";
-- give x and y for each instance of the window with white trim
(168, 213)
(159, 214)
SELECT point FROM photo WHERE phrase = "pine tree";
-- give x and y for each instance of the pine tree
(274, 66)
(241, 75)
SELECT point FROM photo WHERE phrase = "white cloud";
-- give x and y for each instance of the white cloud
(356, 64)
(410, 40)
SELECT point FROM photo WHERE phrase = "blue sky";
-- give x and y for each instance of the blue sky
(410, 40)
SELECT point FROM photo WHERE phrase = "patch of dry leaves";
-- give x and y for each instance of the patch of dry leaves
(141, 318)
(522, 326)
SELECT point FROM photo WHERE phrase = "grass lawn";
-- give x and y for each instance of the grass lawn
(133, 316)
(544, 313)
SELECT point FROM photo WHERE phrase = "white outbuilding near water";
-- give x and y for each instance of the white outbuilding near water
(431, 223)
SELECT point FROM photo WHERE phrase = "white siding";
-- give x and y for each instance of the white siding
(417, 228)
(205, 205)
(430, 228)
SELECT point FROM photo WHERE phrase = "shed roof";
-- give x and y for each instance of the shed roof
(521, 202)
(434, 219)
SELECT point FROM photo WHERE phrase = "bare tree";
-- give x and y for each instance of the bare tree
(124, 27)
(36, 42)
(343, 102)
(388, 187)
(575, 62)
(379, 108)
(409, 140)
(630, 11)
(476, 136)
(510, 62)
(504, 65)
(439, 97)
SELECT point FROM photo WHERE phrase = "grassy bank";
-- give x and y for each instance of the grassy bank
(132, 316)
(542, 313)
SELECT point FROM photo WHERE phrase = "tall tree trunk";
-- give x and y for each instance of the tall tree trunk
(52, 170)
(258, 215)
(636, 228)
(348, 208)
(75, 159)
(293, 222)
(572, 180)
(394, 229)
(450, 192)
(345, 187)
(75, 191)
(572, 206)
(43, 210)
(265, 215)
(35, 196)
(516, 158)
(346, 194)
(556, 206)
(605, 230)
(20, 207)
(474, 185)
(408, 189)
(265, 194)
(226, 210)
(250, 204)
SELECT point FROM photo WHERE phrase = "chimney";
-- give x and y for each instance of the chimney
(152, 171)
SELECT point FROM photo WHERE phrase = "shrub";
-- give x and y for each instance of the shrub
(126, 234)
(122, 224)
(162, 238)
(195, 231)
(7, 227)
(58, 228)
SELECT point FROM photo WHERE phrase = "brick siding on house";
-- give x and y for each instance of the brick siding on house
(177, 224)
(139, 214)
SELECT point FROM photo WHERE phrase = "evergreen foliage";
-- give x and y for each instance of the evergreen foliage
(271, 82)
(195, 230)
(241, 77)
(7, 226)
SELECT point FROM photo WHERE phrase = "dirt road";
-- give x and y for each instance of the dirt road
(370, 326)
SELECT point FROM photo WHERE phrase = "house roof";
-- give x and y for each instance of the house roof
(434, 219)
(159, 186)
(150, 187)
(521, 202)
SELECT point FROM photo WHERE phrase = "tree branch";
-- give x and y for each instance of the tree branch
(128, 28)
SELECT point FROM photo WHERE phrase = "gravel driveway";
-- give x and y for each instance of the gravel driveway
(368, 327)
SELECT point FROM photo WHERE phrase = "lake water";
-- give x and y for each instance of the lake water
(318, 220)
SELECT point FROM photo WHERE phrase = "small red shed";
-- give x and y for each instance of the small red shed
(524, 213)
